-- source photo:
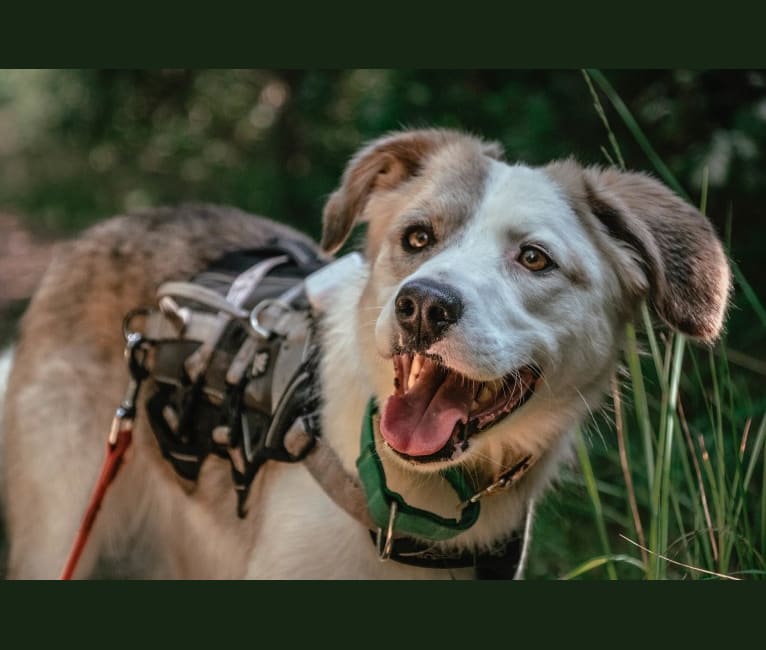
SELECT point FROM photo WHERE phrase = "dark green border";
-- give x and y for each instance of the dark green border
(634, 36)
(406, 35)
(368, 614)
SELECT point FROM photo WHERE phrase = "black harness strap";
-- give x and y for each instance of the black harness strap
(501, 564)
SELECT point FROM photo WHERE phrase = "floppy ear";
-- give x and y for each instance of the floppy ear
(383, 165)
(667, 250)
(684, 268)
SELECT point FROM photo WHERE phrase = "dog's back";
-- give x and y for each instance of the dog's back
(71, 336)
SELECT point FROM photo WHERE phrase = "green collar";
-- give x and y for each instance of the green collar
(384, 504)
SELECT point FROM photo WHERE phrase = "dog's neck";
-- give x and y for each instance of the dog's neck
(345, 386)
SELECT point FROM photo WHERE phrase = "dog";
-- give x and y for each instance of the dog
(487, 322)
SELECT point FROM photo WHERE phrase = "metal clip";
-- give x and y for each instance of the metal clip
(135, 354)
(255, 316)
(125, 413)
(127, 322)
(386, 546)
(505, 481)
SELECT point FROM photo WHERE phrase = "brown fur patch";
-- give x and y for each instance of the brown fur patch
(118, 265)
(443, 198)
(383, 166)
(676, 260)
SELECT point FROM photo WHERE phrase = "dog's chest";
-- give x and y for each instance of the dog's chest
(302, 534)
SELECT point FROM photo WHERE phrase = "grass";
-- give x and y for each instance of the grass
(676, 489)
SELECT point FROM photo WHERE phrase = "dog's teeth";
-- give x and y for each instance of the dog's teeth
(417, 364)
(415, 367)
(485, 394)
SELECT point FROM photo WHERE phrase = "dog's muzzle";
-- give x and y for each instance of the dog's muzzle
(434, 409)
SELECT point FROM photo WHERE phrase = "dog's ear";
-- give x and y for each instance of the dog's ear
(383, 164)
(681, 257)
(668, 251)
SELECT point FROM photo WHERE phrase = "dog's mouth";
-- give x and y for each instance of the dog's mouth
(434, 410)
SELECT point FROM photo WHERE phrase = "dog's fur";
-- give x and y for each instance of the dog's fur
(617, 238)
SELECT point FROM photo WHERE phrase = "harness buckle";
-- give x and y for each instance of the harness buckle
(386, 546)
(255, 316)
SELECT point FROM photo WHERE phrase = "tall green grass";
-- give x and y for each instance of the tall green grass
(675, 473)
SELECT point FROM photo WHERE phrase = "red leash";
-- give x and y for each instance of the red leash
(115, 452)
(120, 437)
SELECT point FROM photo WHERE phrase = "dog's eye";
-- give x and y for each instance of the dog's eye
(417, 238)
(534, 259)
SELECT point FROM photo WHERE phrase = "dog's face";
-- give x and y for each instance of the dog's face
(494, 310)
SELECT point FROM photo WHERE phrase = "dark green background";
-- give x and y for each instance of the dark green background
(79, 145)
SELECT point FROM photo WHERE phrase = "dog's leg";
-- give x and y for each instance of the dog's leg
(6, 360)
(50, 463)
(54, 446)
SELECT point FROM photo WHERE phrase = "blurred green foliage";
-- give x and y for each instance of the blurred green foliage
(79, 145)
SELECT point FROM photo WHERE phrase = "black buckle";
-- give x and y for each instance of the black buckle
(500, 565)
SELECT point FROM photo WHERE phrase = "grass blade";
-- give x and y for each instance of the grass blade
(590, 483)
(661, 491)
(686, 566)
(625, 465)
(635, 130)
(601, 560)
(640, 402)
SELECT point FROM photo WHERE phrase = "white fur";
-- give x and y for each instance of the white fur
(513, 317)
(6, 361)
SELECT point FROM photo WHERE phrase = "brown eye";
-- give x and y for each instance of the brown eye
(534, 259)
(417, 238)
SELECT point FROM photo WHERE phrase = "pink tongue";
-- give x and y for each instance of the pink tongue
(421, 421)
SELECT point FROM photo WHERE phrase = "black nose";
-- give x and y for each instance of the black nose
(424, 311)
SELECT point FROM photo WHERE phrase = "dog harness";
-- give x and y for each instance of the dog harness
(229, 362)
(233, 363)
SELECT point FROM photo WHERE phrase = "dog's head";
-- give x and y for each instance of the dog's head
(498, 293)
